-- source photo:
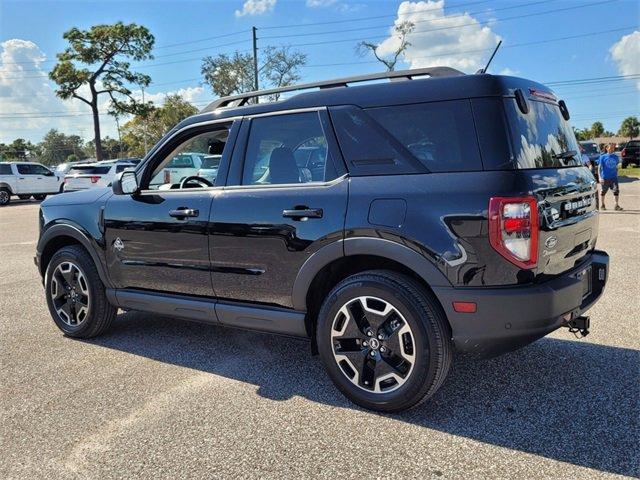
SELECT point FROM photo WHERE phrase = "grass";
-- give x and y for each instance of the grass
(631, 171)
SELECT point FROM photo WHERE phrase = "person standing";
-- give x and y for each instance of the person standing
(608, 172)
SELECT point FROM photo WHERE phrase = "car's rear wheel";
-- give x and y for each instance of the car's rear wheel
(40, 196)
(5, 196)
(75, 294)
(384, 340)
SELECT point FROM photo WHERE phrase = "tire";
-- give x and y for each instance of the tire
(72, 273)
(5, 196)
(414, 336)
(24, 197)
(40, 196)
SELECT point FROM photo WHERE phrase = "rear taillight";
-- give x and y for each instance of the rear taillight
(623, 152)
(513, 229)
(94, 179)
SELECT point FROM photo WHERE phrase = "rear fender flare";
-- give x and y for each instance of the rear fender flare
(378, 247)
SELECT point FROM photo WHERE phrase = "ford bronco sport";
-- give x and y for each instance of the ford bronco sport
(391, 223)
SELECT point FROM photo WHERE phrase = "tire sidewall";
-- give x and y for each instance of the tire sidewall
(424, 369)
(8, 197)
(86, 268)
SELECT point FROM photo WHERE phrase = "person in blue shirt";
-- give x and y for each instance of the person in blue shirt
(608, 172)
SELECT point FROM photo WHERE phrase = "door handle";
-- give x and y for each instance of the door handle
(302, 213)
(183, 212)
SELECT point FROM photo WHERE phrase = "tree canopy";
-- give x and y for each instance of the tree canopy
(96, 62)
(233, 74)
(630, 127)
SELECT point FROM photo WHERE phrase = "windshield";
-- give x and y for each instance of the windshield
(542, 138)
(211, 161)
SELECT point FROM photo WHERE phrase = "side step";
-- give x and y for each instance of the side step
(213, 311)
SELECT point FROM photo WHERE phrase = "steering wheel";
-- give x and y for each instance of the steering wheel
(195, 178)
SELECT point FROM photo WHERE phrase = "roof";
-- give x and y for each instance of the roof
(403, 87)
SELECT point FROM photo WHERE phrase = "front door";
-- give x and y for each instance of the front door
(157, 239)
(286, 197)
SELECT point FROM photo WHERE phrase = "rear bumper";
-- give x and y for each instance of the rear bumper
(508, 318)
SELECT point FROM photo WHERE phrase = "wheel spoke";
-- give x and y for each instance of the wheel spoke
(70, 294)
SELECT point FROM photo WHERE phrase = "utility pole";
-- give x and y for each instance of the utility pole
(255, 59)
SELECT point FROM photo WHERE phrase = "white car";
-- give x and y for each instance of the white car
(92, 175)
(209, 168)
(25, 179)
(183, 165)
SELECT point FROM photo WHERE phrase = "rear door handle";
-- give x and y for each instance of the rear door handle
(183, 212)
(300, 213)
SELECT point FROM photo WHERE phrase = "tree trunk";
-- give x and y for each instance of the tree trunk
(96, 130)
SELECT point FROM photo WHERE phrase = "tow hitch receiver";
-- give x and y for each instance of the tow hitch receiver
(579, 325)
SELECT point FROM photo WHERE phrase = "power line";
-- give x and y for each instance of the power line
(328, 32)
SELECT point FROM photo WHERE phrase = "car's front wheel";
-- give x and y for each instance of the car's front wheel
(384, 340)
(75, 294)
(5, 196)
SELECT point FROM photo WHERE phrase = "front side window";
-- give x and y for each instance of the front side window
(40, 170)
(284, 149)
(541, 138)
(190, 159)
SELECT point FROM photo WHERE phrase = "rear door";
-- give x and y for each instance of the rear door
(548, 162)
(25, 180)
(276, 211)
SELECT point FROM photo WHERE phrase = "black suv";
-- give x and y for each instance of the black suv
(631, 153)
(391, 223)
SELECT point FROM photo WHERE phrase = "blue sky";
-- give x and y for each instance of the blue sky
(458, 33)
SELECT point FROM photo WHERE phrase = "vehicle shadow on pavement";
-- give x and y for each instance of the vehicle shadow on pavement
(567, 400)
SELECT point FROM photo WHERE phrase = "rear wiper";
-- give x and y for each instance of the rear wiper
(564, 155)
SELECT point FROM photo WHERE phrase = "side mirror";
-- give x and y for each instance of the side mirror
(125, 183)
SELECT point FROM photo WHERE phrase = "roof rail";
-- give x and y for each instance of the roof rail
(244, 98)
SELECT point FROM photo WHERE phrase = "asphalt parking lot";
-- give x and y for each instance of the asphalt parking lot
(158, 397)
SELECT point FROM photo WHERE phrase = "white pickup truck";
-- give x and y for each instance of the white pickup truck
(25, 179)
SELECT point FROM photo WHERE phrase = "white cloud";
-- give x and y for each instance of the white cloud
(320, 3)
(28, 104)
(508, 71)
(198, 96)
(440, 39)
(626, 54)
(256, 7)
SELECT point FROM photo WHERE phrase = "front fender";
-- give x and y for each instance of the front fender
(69, 229)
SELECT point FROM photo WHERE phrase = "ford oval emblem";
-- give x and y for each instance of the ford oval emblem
(551, 242)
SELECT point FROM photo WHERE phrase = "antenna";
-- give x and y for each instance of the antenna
(484, 70)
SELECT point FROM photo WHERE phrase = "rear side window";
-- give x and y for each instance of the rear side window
(441, 134)
(5, 169)
(24, 169)
(427, 137)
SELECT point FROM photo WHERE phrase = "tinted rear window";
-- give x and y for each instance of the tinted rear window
(5, 169)
(211, 161)
(435, 137)
(541, 138)
(90, 170)
(591, 148)
(634, 144)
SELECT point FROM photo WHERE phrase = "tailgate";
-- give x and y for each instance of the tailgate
(78, 182)
(568, 216)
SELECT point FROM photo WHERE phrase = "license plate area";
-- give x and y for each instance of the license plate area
(587, 284)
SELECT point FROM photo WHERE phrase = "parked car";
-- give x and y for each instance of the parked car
(91, 175)
(390, 224)
(183, 165)
(591, 149)
(26, 179)
(630, 154)
(209, 167)
(63, 168)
